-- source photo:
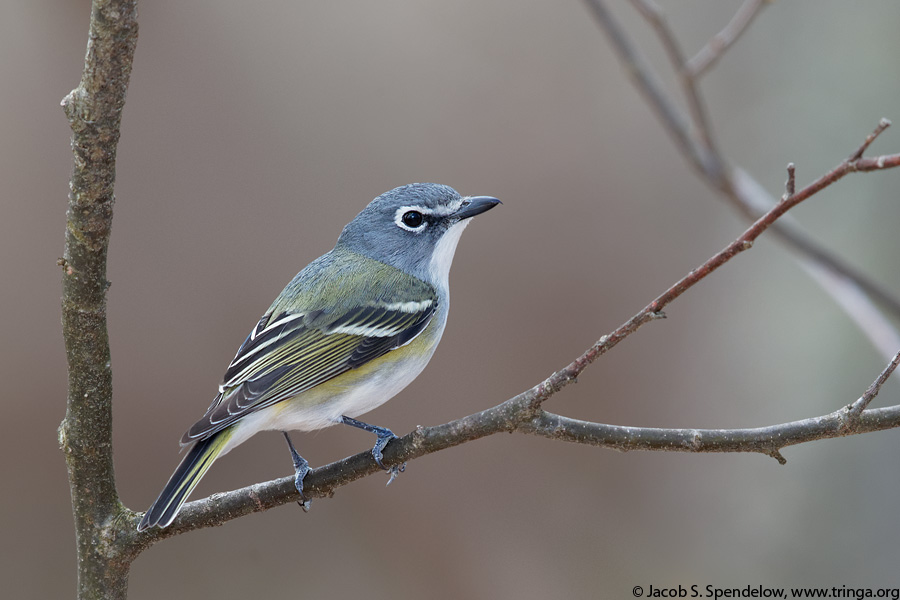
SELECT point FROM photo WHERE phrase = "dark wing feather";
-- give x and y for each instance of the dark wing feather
(288, 354)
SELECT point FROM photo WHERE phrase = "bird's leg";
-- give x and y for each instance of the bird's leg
(385, 435)
(301, 468)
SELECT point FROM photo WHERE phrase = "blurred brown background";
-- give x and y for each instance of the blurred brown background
(255, 130)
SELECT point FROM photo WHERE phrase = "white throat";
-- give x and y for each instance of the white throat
(439, 268)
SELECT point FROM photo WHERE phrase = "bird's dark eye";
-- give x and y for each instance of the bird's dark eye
(413, 219)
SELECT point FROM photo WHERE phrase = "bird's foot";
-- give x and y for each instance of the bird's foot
(301, 468)
(394, 471)
(384, 435)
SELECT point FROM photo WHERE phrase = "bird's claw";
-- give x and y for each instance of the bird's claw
(384, 437)
(394, 471)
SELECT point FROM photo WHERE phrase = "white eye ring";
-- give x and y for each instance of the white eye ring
(411, 218)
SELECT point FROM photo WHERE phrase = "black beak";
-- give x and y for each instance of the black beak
(475, 205)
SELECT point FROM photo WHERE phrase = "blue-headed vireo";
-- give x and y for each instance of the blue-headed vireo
(350, 331)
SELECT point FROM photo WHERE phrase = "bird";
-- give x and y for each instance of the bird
(348, 333)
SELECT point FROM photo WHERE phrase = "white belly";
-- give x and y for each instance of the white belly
(352, 393)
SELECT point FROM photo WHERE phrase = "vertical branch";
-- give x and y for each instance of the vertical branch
(94, 111)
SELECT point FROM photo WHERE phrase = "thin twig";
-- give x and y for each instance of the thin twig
(882, 125)
(716, 47)
(702, 128)
(676, 125)
(790, 186)
(876, 163)
(856, 409)
(851, 289)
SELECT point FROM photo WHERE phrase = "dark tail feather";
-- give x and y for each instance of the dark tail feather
(185, 478)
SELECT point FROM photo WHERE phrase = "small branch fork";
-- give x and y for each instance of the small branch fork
(692, 133)
(524, 413)
(716, 47)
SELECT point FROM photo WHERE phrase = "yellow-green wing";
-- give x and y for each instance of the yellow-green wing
(292, 352)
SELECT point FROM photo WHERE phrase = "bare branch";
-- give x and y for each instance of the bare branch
(791, 184)
(882, 125)
(876, 163)
(716, 47)
(766, 440)
(746, 240)
(851, 420)
(655, 16)
(856, 409)
(852, 290)
(675, 123)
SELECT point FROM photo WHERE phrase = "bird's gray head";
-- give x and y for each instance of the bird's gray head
(414, 228)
